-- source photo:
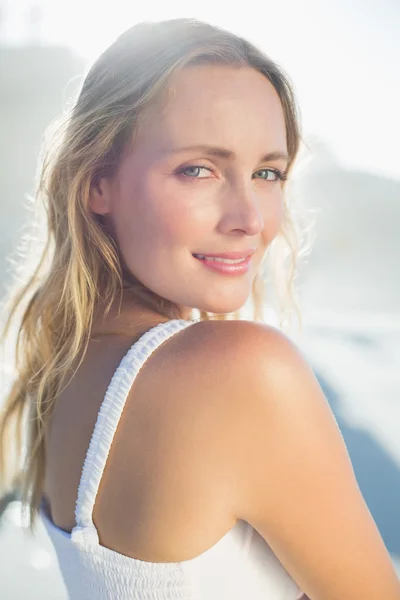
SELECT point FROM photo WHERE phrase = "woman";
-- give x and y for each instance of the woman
(172, 456)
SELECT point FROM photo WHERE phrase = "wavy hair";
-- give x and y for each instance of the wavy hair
(80, 267)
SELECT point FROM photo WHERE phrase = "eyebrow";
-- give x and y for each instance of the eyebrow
(224, 153)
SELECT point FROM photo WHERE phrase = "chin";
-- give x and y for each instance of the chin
(221, 308)
(215, 301)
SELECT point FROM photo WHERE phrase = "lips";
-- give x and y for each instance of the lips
(233, 255)
(226, 266)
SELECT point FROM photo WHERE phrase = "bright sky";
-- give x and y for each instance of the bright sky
(343, 58)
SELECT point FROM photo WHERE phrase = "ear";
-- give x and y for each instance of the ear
(100, 197)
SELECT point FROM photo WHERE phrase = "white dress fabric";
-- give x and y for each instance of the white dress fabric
(240, 565)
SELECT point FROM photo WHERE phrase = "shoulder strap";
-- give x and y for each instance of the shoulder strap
(108, 419)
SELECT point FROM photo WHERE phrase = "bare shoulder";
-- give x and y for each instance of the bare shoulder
(239, 428)
(246, 366)
(234, 351)
(235, 336)
(290, 474)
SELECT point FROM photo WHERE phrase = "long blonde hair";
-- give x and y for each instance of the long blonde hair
(79, 265)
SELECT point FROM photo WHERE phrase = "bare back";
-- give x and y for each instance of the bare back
(225, 422)
(163, 496)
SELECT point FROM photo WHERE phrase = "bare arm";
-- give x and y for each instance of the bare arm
(295, 483)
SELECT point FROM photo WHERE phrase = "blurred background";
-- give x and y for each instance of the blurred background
(343, 59)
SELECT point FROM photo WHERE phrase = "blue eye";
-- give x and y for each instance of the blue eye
(279, 176)
(193, 172)
(192, 168)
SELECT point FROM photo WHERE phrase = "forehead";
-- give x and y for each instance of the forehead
(217, 104)
(220, 83)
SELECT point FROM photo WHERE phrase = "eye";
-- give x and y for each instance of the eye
(277, 175)
(192, 171)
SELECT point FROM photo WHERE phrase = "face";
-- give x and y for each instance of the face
(174, 195)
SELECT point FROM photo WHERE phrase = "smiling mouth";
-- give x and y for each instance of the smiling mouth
(231, 255)
(228, 261)
(225, 266)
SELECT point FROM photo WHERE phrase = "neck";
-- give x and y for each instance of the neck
(126, 318)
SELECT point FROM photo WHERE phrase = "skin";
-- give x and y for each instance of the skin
(176, 478)
(160, 216)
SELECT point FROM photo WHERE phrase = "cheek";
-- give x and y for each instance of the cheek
(180, 212)
(153, 216)
(274, 215)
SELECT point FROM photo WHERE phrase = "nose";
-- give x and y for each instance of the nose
(242, 210)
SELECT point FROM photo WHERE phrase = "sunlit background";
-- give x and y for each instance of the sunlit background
(343, 59)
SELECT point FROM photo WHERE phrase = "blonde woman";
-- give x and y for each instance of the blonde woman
(174, 449)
